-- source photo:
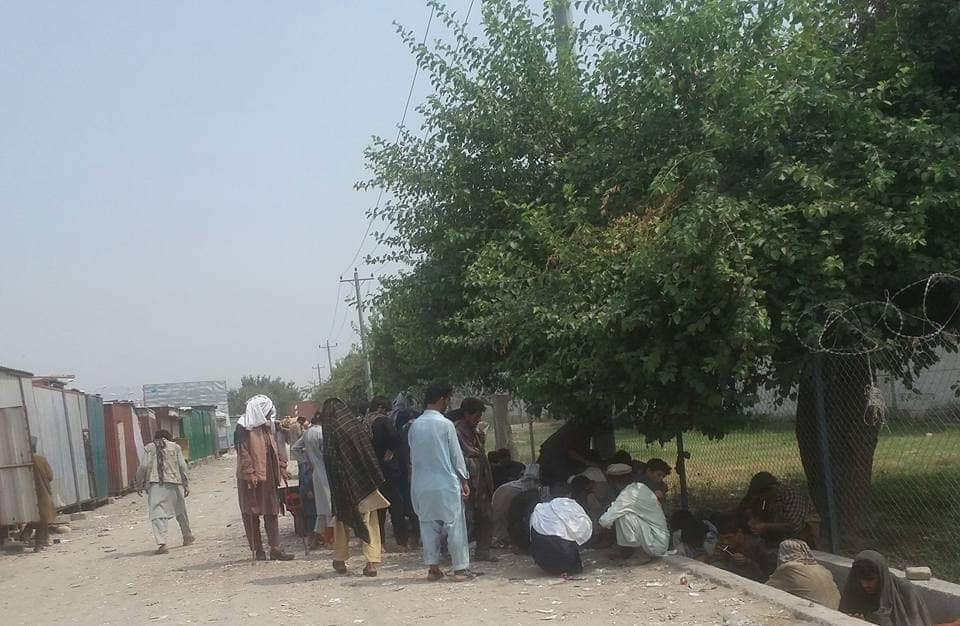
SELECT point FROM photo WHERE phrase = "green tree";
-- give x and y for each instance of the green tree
(651, 240)
(282, 392)
(347, 381)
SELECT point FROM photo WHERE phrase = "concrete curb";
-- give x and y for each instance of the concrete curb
(802, 609)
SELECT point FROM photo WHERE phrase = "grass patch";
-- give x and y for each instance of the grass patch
(915, 493)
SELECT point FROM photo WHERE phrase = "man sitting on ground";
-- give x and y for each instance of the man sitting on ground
(776, 511)
(557, 530)
(739, 552)
(799, 573)
(638, 518)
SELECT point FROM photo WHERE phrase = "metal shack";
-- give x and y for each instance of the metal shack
(18, 496)
(223, 432)
(200, 430)
(148, 423)
(58, 425)
(124, 444)
(168, 418)
(97, 458)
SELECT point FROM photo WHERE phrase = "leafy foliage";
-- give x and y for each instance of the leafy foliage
(347, 381)
(282, 392)
(647, 237)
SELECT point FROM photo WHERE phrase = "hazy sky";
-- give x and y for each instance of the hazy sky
(176, 181)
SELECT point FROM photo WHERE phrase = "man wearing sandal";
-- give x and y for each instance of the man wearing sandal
(438, 485)
(355, 478)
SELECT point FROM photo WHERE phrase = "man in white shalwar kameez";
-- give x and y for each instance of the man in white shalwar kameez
(309, 449)
(439, 484)
(639, 521)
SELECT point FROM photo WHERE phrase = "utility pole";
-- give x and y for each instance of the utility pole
(328, 347)
(363, 332)
(563, 33)
(319, 376)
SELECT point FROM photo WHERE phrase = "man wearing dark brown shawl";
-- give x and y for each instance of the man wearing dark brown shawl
(473, 438)
(355, 478)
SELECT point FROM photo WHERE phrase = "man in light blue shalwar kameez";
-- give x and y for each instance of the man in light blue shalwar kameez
(439, 484)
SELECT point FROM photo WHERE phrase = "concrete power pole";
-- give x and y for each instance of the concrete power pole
(363, 332)
(563, 33)
(328, 347)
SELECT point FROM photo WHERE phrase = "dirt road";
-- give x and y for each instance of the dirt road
(106, 573)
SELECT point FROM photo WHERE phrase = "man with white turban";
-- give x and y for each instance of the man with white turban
(258, 477)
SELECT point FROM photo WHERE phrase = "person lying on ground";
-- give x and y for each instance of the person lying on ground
(506, 469)
(639, 521)
(163, 473)
(740, 552)
(557, 530)
(503, 497)
(873, 593)
(692, 537)
(776, 511)
(799, 573)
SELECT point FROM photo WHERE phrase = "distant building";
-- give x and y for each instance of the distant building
(197, 393)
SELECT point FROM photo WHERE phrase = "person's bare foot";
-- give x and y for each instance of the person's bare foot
(340, 567)
(434, 574)
(162, 549)
(189, 540)
(370, 570)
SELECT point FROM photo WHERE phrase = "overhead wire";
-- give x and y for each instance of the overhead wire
(466, 20)
(403, 119)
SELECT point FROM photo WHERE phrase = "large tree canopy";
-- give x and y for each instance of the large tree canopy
(282, 392)
(646, 231)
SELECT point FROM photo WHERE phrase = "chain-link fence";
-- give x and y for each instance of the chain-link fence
(887, 435)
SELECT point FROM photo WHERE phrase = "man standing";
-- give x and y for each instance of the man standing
(355, 479)
(386, 443)
(42, 478)
(308, 450)
(438, 483)
(163, 473)
(472, 435)
(258, 476)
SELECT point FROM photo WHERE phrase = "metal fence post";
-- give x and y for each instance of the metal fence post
(827, 473)
(682, 472)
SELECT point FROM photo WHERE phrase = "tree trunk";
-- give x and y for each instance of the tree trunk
(501, 423)
(851, 441)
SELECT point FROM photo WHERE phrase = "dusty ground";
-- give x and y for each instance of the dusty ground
(105, 573)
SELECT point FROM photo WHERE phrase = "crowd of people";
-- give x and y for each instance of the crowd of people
(430, 470)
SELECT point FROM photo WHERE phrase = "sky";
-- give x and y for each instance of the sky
(176, 182)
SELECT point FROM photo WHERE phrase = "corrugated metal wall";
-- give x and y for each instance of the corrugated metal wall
(124, 444)
(18, 496)
(98, 448)
(49, 425)
(76, 406)
(199, 428)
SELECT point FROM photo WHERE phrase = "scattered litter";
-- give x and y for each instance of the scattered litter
(335, 600)
(694, 594)
(400, 588)
(545, 611)
(548, 617)
(655, 583)
(158, 618)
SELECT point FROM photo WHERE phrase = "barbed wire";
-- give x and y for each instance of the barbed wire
(845, 322)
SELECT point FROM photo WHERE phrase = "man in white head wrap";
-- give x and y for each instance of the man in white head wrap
(258, 477)
(557, 530)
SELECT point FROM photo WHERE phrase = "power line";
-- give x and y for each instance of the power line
(336, 307)
(403, 119)
(466, 20)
